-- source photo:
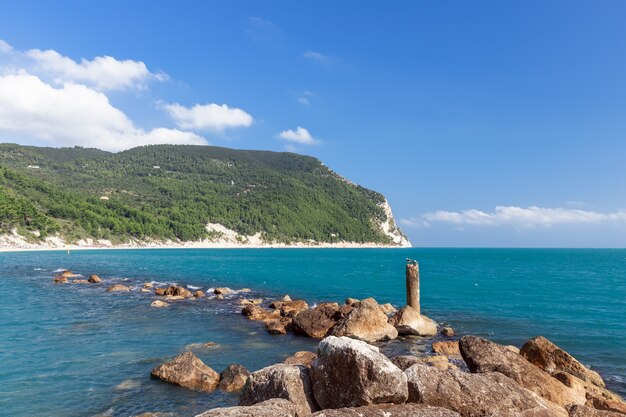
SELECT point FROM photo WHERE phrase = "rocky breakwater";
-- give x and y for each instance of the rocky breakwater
(351, 378)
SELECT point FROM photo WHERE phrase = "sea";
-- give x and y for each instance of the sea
(76, 350)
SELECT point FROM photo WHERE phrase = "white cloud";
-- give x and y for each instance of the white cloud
(305, 97)
(316, 56)
(262, 30)
(300, 135)
(208, 116)
(304, 101)
(516, 216)
(73, 115)
(103, 72)
(5, 48)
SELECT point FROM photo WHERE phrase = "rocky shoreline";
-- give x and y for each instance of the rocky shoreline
(348, 376)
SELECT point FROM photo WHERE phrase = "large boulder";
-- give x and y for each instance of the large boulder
(280, 381)
(275, 407)
(601, 403)
(584, 411)
(482, 355)
(546, 355)
(389, 410)
(366, 321)
(233, 378)
(278, 326)
(409, 321)
(351, 373)
(447, 347)
(588, 389)
(317, 321)
(293, 308)
(476, 395)
(188, 371)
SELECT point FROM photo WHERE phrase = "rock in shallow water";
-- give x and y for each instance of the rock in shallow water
(94, 279)
(188, 371)
(233, 378)
(159, 304)
(474, 395)
(482, 355)
(316, 322)
(351, 373)
(280, 381)
(409, 322)
(366, 321)
(118, 288)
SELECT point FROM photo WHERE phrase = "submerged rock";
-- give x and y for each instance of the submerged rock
(482, 355)
(448, 332)
(80, 281)
(254, 301)
(409, 322)
(303, 358)
(223, 291)
(233, 378)
(352, 373)
(366, 322)
(159, 291)
(188, 371)
(280, 381)
(254, 312)
(159, 304)
(148, 285)
(473, 395)
(198, 294)
(118, 288)
(316, 322)
(389, 410)
(278, 326)
(60, 279)
(94, 279)
(546, 355)
(275, 407)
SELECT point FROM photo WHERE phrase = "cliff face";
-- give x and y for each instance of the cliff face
(389, 228)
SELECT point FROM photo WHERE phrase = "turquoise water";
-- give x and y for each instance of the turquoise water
(75, 350)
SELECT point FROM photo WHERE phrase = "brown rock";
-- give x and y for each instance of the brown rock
(316, 322)
(408, 321)
(173, 297)
(482, 355)
(233, 378)
(159, 304)
(244, 290)
(254, 301)
(388, 309)
(254, 312)
(188, 371)
(585, 388)
(439, 362)
(351, 373)
(404, 362)
(286, 298)
(94, 279)
(148, 285)
(448, 332)
(351, 301)
(67, 274)
(275, 407)
(159, 291)
(448, 348)
(389, 410)
(292, 308)
(584, 411)
(80, 281)
(60, 279)
(551, 358)
(342, 312)
(280, 381)
(366, 322)
(302, 358)
(474, 395)
(144, 290)
(178, 291)
(198, 294)
(606, 405)
(278, 326)
(223, 291)
(118, 288)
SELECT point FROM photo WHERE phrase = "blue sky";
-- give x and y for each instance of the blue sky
(485, 123)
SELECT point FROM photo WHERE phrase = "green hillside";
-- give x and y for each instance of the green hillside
(165, 192)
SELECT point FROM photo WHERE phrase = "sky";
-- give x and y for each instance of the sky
(484, 123)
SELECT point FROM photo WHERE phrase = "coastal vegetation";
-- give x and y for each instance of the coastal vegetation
(170, 192)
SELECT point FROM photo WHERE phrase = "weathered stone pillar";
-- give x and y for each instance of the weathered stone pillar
(413, 285)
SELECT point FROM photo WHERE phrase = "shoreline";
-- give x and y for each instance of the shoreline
(46, 248)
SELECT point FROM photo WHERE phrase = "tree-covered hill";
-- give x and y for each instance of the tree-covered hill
(171, 192)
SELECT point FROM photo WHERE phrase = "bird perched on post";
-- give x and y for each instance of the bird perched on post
(411, 261)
